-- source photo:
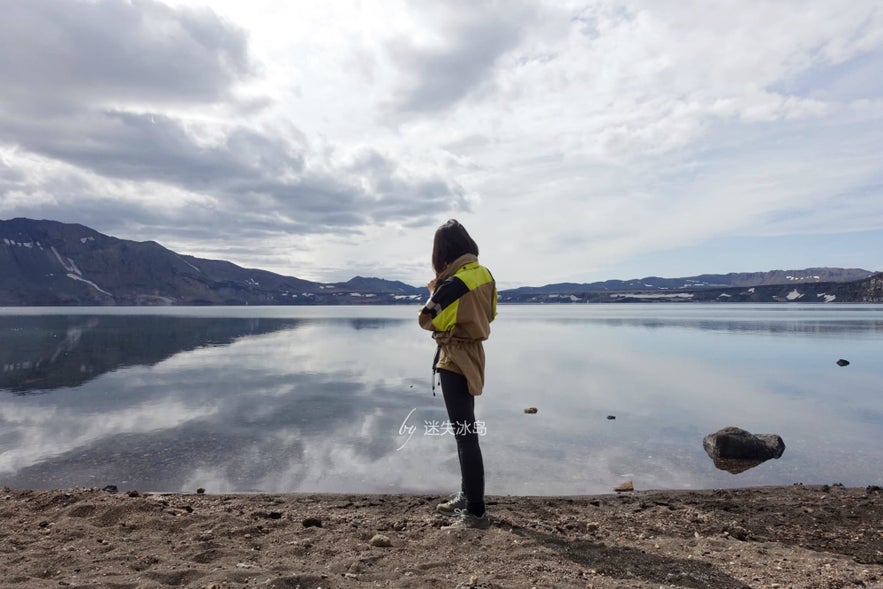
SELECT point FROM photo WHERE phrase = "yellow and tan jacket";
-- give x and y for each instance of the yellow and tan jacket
(459, 315)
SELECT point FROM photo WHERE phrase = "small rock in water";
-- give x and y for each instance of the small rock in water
(312, 522)
(530, 410)
(625, 487)
(611, 417)
(380, 541)
(842, 362)
(736, 450)
(200, 491)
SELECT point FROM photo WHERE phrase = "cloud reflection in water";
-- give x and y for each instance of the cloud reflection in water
(317, 405)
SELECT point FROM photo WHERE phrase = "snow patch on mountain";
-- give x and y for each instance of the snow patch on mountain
(69, 266)
(89, 282)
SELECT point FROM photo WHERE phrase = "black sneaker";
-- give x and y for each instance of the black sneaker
(452, 506)
(467, 520)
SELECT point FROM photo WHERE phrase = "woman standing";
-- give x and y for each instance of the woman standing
(462, 304)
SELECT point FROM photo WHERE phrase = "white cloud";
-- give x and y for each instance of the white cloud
(571, 138)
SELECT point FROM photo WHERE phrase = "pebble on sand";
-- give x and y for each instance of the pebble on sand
(625, 487)
(380, 541)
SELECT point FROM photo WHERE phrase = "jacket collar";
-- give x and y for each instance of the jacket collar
(456, 265)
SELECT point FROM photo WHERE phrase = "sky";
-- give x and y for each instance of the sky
(576, 141)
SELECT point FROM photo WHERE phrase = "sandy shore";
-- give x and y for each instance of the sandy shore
(800, 536)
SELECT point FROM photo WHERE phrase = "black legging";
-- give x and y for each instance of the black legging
(461, 410)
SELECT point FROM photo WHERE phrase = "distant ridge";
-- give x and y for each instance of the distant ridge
(704, 281)
(804, 286)
(376, 285)
(52, 263)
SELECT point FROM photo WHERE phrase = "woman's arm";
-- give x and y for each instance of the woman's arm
(440, 313)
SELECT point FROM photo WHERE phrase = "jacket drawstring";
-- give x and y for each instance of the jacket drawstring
(434, 369)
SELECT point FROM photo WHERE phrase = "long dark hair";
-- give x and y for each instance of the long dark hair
(451, 241)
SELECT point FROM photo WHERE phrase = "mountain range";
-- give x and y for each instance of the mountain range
(807, 285)
(52, 263)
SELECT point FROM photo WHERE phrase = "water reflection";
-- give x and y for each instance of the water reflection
(815, 320)
(735, 465)
(785, 328)
(42, 353)
(283, 402)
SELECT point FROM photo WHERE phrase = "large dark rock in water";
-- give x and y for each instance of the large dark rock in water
(736, 450)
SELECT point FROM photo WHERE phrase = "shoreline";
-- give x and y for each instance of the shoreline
(813, 536)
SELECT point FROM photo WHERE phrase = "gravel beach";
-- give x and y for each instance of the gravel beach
(765, 537)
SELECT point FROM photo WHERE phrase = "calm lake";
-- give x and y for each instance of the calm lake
(338, 399)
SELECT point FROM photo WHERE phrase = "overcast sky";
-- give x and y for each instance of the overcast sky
(577, 141)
